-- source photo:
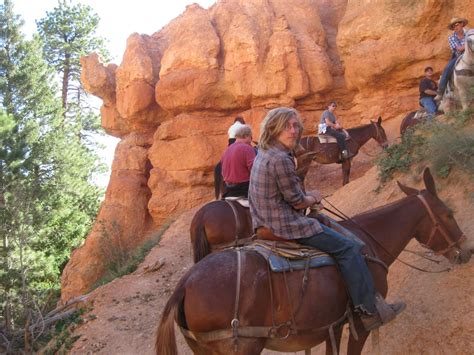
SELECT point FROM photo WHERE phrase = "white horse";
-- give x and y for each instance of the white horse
(463, 79)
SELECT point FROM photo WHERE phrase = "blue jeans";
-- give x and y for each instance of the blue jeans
(448, 71)
(430, 105)
(340, 137)
(353, 267)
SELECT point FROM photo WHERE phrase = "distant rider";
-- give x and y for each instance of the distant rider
(331, 126)
(238, 122)
(428, 90)
(237, 163)
(456, 42)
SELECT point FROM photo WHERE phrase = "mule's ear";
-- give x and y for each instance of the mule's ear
(429, 182)
(409, 191)
(379, 121)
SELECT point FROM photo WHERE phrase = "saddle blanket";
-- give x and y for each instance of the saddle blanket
(244, 202)
(420, 115)
(290, 256)
(325, 138)
(281, 264)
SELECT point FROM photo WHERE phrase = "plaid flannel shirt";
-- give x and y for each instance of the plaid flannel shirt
(455, 41)
(274, 189)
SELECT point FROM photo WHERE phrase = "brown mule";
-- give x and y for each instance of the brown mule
(230, 303)
(219, 224)
(328, 153)
(411, 120)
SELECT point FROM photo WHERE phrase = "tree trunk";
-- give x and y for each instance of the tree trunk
(67, 69)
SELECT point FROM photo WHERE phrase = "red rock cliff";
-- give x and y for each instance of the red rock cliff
(176, 92)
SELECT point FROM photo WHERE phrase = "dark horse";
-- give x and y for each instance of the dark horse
(219, 224)
(414, 118)
(229, 302)
(409, 121)
(328, 153)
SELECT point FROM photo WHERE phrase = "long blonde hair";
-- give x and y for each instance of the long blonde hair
(274, 123)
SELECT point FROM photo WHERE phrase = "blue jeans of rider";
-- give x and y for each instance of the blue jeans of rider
(353, 267)
(430, 106)
(340, 137)
(448, 71)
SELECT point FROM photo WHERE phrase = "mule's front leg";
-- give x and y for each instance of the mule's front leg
(354, 346)
(346, 170)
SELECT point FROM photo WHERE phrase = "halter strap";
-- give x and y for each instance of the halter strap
(439, 227)
(377, 131)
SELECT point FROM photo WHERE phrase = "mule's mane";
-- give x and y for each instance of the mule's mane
(377, 211)
(360, 128)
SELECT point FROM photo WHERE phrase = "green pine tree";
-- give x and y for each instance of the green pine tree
(47, 200)
(69, 32)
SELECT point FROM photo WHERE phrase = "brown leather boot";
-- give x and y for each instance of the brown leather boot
(386, 312)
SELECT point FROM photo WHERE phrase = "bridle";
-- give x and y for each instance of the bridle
(438, 227)
(378, 135)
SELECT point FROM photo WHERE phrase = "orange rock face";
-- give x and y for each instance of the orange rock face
(177, 91)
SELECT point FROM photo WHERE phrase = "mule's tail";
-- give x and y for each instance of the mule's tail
(165, 336)
(218, 182)
(201, 246)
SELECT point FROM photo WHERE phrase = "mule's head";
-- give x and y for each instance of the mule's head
(379, 134)
(438, 230)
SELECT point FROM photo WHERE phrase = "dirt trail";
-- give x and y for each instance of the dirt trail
(438, 320)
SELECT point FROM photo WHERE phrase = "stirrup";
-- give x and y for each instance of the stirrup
(386, 312)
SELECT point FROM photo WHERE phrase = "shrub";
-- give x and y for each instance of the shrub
(451, 147)
(444, 145)
(400, 157)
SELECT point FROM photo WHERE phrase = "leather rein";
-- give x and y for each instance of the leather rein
(436, 226)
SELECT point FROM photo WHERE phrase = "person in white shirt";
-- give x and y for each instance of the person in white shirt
(238, 123)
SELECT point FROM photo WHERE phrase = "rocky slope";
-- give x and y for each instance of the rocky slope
(176, 91)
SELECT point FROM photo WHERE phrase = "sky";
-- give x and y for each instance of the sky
(118, 20)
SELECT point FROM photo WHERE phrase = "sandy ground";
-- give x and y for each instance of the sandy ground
(124, 314)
